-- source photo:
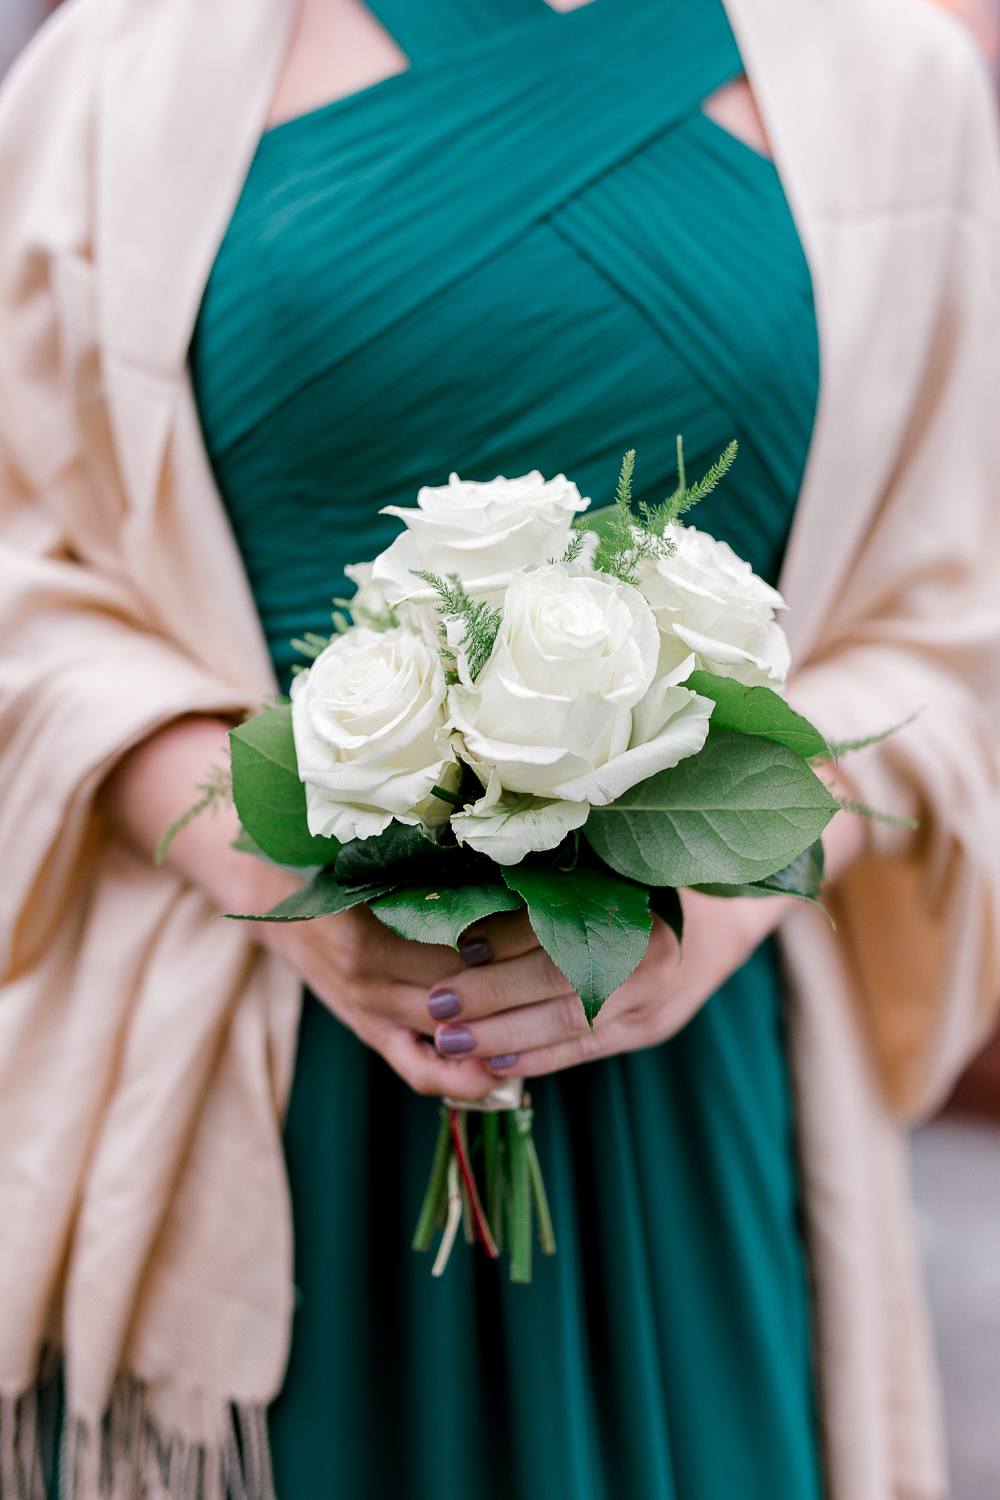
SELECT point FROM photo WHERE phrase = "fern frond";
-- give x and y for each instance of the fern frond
(576, 545)
(380, 620)
(311, 644)
(620, 547)
(215, 789)
(623, 494)
(684, 498)
(481, 622)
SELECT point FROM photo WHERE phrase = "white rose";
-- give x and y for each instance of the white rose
(369, 603)
(567, 711)
(481, 532)
(507, 826)
(709, 602)
(366, 717)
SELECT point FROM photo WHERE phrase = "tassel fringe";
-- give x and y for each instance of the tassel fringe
(128, 1457)
(28, 1442)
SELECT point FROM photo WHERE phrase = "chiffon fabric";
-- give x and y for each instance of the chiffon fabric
(531, 250)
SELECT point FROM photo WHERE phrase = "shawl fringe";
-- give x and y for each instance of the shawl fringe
(127, 1456)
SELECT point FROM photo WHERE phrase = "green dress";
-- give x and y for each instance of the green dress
(531, 250)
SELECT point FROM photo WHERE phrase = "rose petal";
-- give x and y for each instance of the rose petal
(684, 735)
(507, 836)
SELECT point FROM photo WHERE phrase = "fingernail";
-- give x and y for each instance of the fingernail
(443, 1003)
(507, 1061)
(475, 952)
(453, 1039)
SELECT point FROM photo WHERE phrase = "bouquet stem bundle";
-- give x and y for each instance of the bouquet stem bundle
(512, 1178)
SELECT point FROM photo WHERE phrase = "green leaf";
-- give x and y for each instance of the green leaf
(428, 914)
(400, 847)
(734, 813)
(269, 796)
(413, 859)
(319, 897)
(758, 710)
(594, 927)
(802, 878)
(665, 903)
(244, 844)
(602, 521)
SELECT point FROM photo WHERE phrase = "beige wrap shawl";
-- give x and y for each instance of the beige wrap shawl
(146, 1054)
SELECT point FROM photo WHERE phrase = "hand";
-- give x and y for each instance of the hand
(391, 992)
(372, 980)
(515, 1011)
(376, 983)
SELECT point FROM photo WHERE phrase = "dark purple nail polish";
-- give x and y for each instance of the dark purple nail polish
(507, 1061)
(454, 1039)
(475, 952)
(443, 1004)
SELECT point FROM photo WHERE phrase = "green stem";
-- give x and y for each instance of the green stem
(437, 1187)
(460, 1141)
(478, 1224)
(546, 1236)
(491, 1171)
(518, 1129)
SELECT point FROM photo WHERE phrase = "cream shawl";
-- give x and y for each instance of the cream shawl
(146, 1055)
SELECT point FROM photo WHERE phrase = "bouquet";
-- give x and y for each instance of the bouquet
(526, 705)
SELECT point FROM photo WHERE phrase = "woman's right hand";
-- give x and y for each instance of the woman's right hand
(372, 980)
(376, 983)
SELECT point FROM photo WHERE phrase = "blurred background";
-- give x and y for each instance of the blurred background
(956, 1157)
(18, 19)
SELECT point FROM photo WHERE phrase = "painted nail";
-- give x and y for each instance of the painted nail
(454, 1039)
(507, 1061)
(475, 952)
(443, 1004)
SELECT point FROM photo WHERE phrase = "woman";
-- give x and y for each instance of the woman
(466, 263)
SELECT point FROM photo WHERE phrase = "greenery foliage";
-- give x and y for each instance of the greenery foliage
(740, 809)
(758, 711)
(802, 878)
(216, 790)
(740, 817)
(269, 796)
(593, 925)
(428, 914)
(627, 538)
(479, 620)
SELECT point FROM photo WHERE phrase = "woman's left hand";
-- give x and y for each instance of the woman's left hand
(513, 1008)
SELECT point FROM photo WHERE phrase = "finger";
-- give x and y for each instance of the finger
(539, 1061)
(505, 935)
(497, 986)
(416, 1062)
(364, 947)
(395, 1004)
(515, 1031)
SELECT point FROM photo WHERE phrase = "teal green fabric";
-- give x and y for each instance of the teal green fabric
(531, 250)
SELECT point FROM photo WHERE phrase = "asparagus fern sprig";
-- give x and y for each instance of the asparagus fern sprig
(657, 518)
(628, 537)
(216, 790)
(479, 620)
